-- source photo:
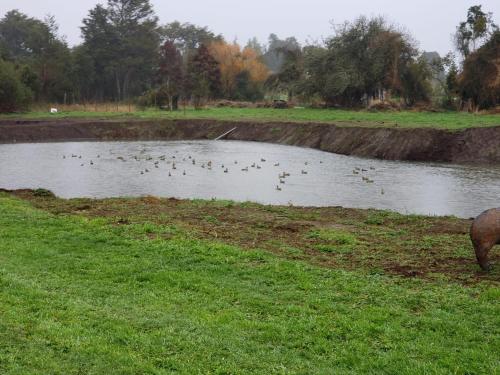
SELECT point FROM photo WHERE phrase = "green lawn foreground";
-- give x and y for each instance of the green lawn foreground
(406, 119)
(81, 296)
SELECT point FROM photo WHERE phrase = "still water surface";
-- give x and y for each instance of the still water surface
(115, 169)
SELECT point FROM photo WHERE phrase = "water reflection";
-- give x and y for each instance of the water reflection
(112, 169)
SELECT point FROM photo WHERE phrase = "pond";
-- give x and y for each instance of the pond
(248, 171)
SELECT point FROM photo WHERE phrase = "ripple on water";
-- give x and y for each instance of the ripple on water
(248, 171)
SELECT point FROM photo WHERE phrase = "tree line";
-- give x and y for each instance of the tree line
(127, 55)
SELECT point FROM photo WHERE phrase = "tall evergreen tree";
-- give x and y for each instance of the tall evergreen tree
(123, 40)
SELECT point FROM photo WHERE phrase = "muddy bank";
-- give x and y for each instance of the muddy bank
(289, 228)
(476, 145)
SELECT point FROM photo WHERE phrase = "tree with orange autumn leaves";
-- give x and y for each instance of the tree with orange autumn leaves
(234, 64)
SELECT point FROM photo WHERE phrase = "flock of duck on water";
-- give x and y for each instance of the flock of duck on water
(209, 165)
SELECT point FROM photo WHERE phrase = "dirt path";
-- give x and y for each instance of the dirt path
(476, 145)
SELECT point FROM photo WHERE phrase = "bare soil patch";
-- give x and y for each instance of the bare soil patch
(386, 243)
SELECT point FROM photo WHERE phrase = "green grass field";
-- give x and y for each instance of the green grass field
(444, 120)
(148, 286)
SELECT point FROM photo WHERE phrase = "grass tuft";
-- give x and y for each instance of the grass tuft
(333, 241)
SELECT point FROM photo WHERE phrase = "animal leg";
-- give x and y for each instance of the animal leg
(482, 256)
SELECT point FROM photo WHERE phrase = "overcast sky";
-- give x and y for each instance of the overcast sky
(431, 22)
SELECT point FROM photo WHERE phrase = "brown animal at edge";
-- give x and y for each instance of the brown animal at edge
(485, 233)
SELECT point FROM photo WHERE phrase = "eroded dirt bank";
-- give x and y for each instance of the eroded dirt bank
(476, 145)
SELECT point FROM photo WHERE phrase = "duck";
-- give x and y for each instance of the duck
(245, 169)
(304, 172)
(91, 162)
(194, 162)
(146, 170)
(253, 165)
(277, 164)
(278, 188)
(169, 174)
(282, 181)
(259, 167)
(184, 173)
(263, 160)
(226, 170)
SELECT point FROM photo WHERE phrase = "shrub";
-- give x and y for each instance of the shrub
(43, 193)
(14, 95)
(479, 83)
(157, 98)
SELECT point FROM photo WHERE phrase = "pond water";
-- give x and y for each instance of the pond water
(218, 169)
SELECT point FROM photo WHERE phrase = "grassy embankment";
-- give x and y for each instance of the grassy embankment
(150, 286)
(406, 119)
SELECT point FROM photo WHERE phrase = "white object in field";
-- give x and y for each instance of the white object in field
(53, 110)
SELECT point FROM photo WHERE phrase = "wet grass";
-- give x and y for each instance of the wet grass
(405, 119)
(383, 242)
(333, 240)
(157, 286)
